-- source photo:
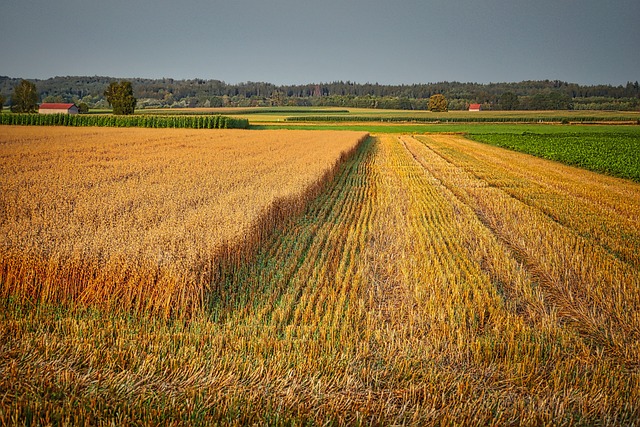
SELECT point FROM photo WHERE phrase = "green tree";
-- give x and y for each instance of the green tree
(1, 103)
(217, 101)
(25, 98)
(52, 98)
(548, 101)
(277, 98)
(509, 101)
(438, 103)
(120, 97)
(83, 108)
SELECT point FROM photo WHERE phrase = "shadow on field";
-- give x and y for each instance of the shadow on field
(262, 265)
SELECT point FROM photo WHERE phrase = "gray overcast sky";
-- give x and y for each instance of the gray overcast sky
(312, 41)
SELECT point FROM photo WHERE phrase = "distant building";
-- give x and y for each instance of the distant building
(474, 107)
(57, 108)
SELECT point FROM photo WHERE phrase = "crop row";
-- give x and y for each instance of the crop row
(440, 119)
(266, 110)
(144, 121)
(574, 231)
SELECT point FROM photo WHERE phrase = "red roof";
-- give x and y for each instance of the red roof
(56, 106)
(474, 106)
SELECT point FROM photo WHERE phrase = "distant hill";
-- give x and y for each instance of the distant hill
(166, 92)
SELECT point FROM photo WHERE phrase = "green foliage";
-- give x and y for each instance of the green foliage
(25, 98)
(547, 101)
(612, 153)
(438, 103)
(83, 108)
(1, 102)
(509, 101)
(214, 93)
(120, 97)
(187, 122)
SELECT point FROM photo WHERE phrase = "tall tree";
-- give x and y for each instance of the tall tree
(25, 98)
(120, 97)
(438, 103)
(1, 103)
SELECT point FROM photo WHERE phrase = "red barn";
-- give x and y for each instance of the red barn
(474, 107)
(57, 108)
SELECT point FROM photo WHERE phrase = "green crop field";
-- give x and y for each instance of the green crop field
(110, 120)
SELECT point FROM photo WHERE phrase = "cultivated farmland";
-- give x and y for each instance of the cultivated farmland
(433, 281)
(146, 220)
(613, 153)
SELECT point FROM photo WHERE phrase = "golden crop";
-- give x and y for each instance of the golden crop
(145, 219)
(434, 281)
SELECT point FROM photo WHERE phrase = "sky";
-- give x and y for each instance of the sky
(316, 41)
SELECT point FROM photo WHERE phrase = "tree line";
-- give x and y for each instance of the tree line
(161, 93)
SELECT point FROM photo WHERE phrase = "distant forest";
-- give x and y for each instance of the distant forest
(170, 93)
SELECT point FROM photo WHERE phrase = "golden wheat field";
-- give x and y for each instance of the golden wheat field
(140, 219)
(430, 281)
